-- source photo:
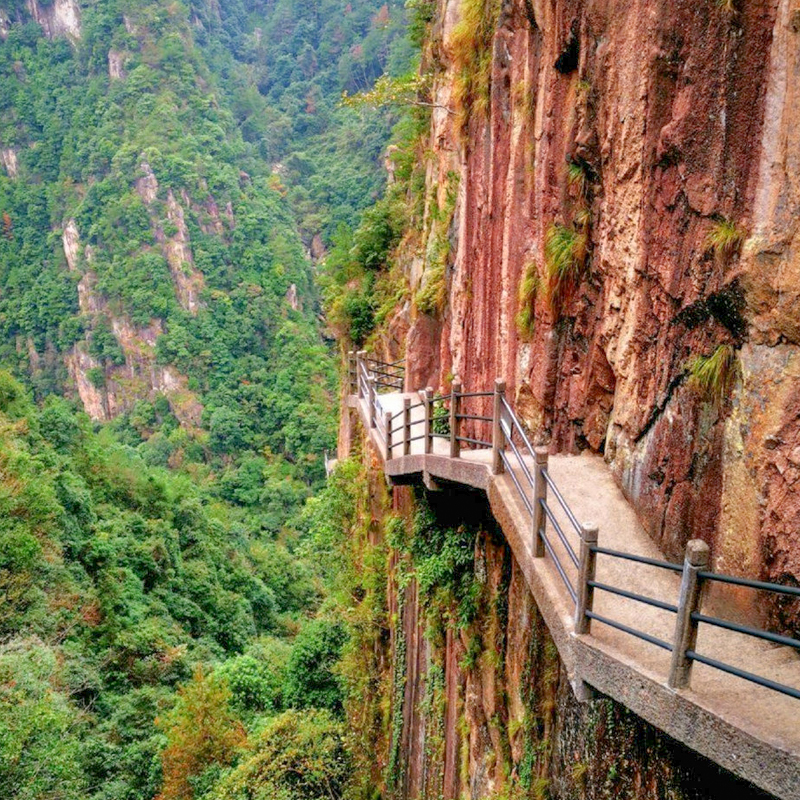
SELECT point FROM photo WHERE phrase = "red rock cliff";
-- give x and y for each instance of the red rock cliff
(642, 128)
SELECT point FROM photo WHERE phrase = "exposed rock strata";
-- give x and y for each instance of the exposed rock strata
(140, 377)
(59, 18)
(681, 115)
(8, 158)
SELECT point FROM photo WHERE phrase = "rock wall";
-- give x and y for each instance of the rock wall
(480, 706)
(140, 376)
(58, 18)
(649, 129)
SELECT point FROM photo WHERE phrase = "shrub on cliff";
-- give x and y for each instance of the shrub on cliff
(300, 755)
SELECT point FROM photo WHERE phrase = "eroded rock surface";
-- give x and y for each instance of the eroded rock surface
(677, 117)
(59, 18)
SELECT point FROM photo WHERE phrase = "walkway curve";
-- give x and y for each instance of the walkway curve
(749, 730)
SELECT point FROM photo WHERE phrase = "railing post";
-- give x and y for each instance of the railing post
(455, 403)
(695, 560)
(540, 455)
(586, 574)
(371, 391)
(360, 360)
(406, 425)
(428, 420)
(352, 375)
(498, 440)
(387, 423)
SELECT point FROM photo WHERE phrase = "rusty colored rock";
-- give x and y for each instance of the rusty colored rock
(682, 118)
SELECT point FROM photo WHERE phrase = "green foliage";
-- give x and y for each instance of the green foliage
(300, 755)
(432, 295)
(440, 422)
(256, 679)
(201, 732)
(144, 549)
(471, 44)
(564, 254)
(349, 280)
(725, 238)
(40, 733)
(529, 288)
(310, 678)
(714, 377)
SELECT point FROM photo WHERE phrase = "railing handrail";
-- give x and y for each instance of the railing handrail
(506, 426)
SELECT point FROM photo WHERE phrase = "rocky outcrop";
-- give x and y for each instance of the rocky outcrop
(648, 130)
(140, 376)
(188, 281)
(59, 18)
(174, 237)
(116, 64)
(71, 242)
(8, 158)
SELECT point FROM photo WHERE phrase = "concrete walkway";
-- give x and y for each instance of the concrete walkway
(752, 731)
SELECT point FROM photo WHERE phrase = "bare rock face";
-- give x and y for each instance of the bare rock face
(72, 245)
(188, 281)
(60, 18)
(291, 297)
(5, 25)
(677, 117)
(147, 184)
(116, 64)
(8, 158)
(140, 377)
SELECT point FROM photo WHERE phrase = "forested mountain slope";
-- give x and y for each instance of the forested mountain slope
(165, 394)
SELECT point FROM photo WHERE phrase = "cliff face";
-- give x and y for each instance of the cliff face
(140, 376)
(477, 703)
(658, 139)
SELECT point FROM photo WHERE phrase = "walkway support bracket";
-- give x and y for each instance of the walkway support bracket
(540, 455)
(498, 440)
(586, 574)
(696, 559)
(455, 422)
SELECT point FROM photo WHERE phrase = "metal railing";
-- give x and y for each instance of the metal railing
(483, 420)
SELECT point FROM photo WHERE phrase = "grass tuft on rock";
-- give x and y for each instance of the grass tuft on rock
(714, 377)
(528, 291)
(725, 238)
(565, 255)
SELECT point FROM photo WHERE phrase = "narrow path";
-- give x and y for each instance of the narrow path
(748, 729)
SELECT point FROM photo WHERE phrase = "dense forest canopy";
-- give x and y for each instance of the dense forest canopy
(169, 617)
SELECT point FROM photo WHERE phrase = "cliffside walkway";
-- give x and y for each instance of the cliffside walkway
(658, 637)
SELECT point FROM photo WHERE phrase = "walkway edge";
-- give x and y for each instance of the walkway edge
(680, 714)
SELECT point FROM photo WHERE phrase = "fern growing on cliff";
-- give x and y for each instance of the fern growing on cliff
(565, 254)
(714, 377)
